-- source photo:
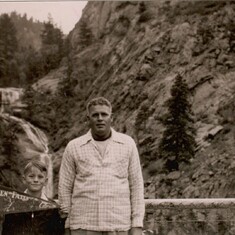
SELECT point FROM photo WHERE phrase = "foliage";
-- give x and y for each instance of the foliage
(52, 46)
(38, 63)
(205, 30)
(22, 63)
(8, 47)
(122, 25)
(230, 30)
(9, 139)
(145, 14)
(38, 110)
(144, 17)
(9, 154)
(33, 65)
(142, 7)
(178, 141)
(66, 86)
(142, 115)
(8, 37)
(28, 30)
(188, 8)
(50, 111)
(123, 4)
(85, 34)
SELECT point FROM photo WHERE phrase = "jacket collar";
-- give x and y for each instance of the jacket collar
(115, 136)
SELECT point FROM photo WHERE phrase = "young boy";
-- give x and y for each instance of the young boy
(44, 222)
(35, 178)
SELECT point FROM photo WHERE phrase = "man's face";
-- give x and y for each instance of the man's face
(100, 118)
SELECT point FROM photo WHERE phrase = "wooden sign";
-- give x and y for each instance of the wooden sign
(12, 201)
(23, 214)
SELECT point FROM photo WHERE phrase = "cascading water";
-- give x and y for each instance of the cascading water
(9, 96)
(36, 136)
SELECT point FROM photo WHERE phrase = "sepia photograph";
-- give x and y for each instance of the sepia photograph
(117, 117)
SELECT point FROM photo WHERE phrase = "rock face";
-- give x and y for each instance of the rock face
(137, 51)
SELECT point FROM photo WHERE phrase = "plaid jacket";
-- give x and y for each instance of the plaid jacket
(102, 193)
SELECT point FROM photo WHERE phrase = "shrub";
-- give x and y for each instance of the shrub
(144, 17)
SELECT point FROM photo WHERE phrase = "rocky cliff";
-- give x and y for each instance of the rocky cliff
(137, 50)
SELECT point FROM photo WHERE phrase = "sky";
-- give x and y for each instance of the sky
(65, 14)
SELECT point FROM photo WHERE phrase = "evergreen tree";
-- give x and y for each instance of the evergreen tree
(8, 138)
(52, 46)
(47, 35)
(85, 34)
(8, 36)
(178, 141)
(29, 99)
(2, 59)
(34, 65)
(8, 46)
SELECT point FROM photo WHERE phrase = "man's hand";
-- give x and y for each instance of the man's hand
(63, 212)
(63, 215)
(136, 231)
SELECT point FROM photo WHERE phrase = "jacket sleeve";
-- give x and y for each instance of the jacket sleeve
(66, 181)
(136, 188)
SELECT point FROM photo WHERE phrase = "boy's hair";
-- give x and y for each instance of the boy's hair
(98, 101)
(35, 163)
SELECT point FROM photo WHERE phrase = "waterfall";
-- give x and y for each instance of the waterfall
(36, 136)
(9, 97)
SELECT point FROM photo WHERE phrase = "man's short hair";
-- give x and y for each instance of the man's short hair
(37, 164)
(98, 101)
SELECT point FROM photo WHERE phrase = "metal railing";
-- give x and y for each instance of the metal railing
(208, 216)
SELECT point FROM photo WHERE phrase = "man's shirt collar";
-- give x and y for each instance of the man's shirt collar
(115, 136)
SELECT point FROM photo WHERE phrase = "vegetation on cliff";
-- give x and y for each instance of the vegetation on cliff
(23, 64)
(9, 160)
(136, 51)
(178, 141)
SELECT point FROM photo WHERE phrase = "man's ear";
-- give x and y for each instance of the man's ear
(111, 117)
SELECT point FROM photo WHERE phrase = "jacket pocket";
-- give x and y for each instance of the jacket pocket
(85, 167)
(120, 168)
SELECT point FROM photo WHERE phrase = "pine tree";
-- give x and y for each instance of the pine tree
(85, 34)
(34, 68)
(8, 138)
(52, 46)
(178, 141)
(48, 34)
(8, 36)
(29, 99)
(8, 46)
(3, 61)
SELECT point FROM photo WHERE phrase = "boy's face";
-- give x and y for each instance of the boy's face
(35, 179)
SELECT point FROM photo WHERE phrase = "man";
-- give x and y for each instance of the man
(100, 183)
